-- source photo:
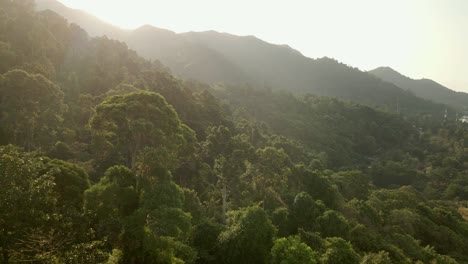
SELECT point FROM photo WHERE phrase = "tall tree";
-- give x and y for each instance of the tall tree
(305, 211)
(139, 122)
(70, 180)
(339, 250)
(268, 175)
(248, 238)
(27, 204)
(230, 153)
(291, 250)
(108, 202)
(31, 109)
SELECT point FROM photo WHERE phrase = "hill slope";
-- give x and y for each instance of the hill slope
(423, 88)
(187, 60)
(93, 25)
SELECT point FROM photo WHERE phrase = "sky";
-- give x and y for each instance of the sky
(418, 38)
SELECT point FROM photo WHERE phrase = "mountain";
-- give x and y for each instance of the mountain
(93, 25)
(186, 59)
(424, 88)
(215, 57)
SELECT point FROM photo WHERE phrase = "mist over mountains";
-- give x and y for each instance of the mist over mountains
(215, 57)
(424, 88)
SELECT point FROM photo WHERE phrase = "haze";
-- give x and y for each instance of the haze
(419, 38)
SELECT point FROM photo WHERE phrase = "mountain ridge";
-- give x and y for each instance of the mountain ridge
(215, 57)
(424, 88)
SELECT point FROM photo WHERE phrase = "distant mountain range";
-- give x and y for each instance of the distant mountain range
(423, 88)
(215, 57)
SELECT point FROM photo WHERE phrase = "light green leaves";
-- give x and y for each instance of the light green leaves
(138, 123)
(291, 250)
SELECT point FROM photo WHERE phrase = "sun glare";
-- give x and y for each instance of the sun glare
(413, 36)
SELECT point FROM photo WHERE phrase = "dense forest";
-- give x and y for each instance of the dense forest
(106, 157)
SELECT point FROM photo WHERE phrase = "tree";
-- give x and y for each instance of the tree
(339, 250)
(291, 250)
(139, 122)
(31, 109)
(163, 205)
(70, 180)
(306, 211)
(218, 143)
(352, 184)
(268, 175)
(7, 56)
(281, 219)
(110, 201)
(27, 206)
(248, 237)
(333, 224)
(377, 258)
(205, 240)
(229, 153)
(159, 230)
(316, 185)
(121, 89)
(393, 173)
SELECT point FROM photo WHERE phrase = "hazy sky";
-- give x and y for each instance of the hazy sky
(419, 38)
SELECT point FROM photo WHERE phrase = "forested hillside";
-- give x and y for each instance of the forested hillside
(105, 157)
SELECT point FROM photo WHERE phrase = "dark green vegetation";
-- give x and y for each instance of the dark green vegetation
(424, 88)
(108, 158)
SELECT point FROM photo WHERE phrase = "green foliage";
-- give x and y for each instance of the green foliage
(61, 151)
(40, 206)
(110, 201)
(281, 219)
(164, 194)
(193, 205)
(365, 239)
(316, 185)
(313, 240)
(393, 174)
(376, 258)
(338, 250)
(115, 257)
(172, 222)
(352, 184)
(268, 175)
(248, 237)
(348, 133)
(291, 250)
(205, 240)
(364, 212)
(27, 203)
(31, 109)
(7, 56)
(87, 253)
(70, 182)
(386, 200)
(333, 224)
(136, 123)
(306, 211)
